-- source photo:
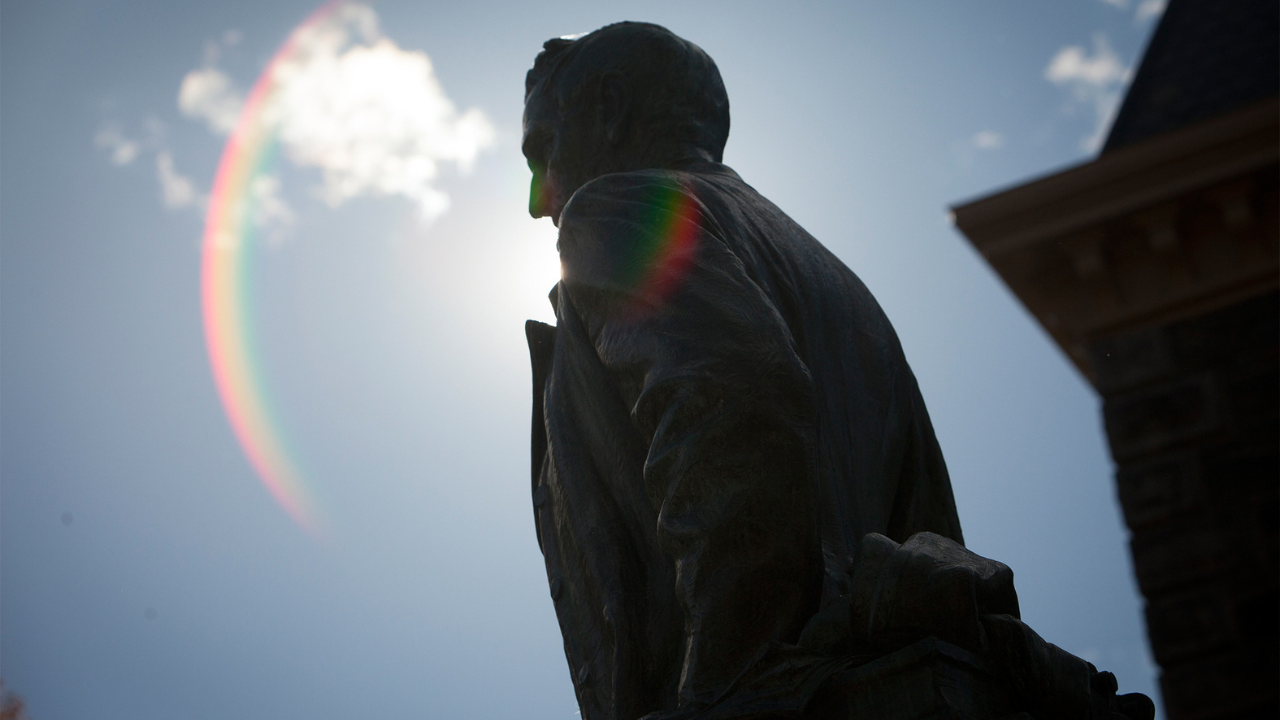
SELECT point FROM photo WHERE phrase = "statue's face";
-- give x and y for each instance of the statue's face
(564, 150)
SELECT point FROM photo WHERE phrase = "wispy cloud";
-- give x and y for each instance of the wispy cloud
(209, 94)
(988, 140)
(176, 190)
(270, 212)
(1095, 80)
(121, 149)
(1073, 64)
(1148, 9)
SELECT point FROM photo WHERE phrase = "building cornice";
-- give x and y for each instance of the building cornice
(1169, 227)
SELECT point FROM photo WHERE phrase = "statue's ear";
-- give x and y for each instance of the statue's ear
(615, 102)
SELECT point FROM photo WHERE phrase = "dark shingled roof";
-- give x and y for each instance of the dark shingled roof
(1207, 57)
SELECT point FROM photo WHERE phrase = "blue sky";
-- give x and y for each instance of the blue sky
(145, 571)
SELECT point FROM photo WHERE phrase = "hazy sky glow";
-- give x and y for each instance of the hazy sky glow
(145, 570)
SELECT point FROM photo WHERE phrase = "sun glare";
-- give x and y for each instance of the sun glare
(534, 269)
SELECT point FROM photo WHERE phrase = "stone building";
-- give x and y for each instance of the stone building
(1155, 268)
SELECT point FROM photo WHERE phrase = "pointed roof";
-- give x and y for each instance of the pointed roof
(1207, 57)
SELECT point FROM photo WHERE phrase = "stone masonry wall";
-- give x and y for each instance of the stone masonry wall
(1192, 412)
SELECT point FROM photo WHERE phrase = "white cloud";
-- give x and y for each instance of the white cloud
(988, 140)
(1120, 4)
(208, 94)
(123, 150)
(1095, 80)
(372, 117)
(270, 212)
(176, 190)
(1073, 64)
(155, 131)
(1148, 9)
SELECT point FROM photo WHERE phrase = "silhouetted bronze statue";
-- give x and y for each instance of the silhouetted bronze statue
(728, 444)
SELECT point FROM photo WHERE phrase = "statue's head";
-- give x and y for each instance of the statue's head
(629, 96)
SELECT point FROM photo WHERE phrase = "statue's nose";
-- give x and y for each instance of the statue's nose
(541, 194)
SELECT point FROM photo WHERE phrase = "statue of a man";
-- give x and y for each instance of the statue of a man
(723, 412)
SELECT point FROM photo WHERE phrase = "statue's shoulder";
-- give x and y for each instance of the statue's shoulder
(615, 227)
(620, 195)
(640, 197)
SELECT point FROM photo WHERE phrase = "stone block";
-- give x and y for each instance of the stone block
(1131, 359)
(1219, 687)
(1156, 489)
(1189, 624)
(1234, 472)
(1158, 418)
(1259, 621)
(1253, 397)
(1180, 554)
(1238, 333)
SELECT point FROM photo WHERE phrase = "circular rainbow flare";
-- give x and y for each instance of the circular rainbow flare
(664, 257)
(230, 244)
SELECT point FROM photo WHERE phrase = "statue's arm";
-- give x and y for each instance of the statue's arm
(708, 366)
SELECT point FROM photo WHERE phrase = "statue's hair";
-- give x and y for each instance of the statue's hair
(546, 62)
(677, 94)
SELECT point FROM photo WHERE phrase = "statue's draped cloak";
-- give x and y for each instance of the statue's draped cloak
(720, 415)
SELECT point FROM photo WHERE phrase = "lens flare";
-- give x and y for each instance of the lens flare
(660, 260)
(231, 244)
